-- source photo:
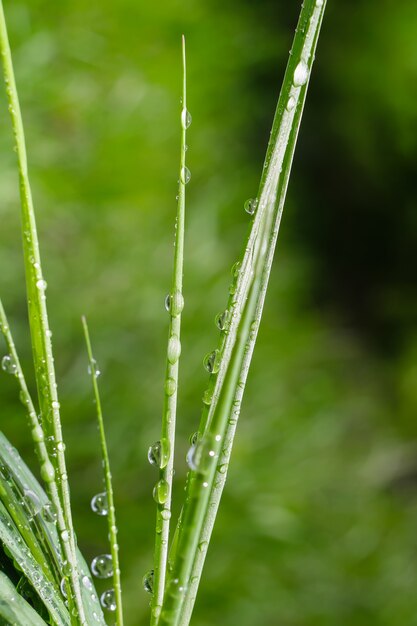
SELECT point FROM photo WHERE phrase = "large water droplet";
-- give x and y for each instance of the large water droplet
(41, 284)
(148, 581)
(212, 362)
(99, 504)
(251, 205)
(174, 349)
(186, 118)
(300, 74)
(102, 566)
(47, 472)
(185, 175)
(8, 364)
(160, 491)
(108, 600)
(158, 453)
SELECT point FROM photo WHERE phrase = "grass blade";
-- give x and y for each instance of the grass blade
(197, 514)
(13, 608)
(175, 302)
(38, 319)
(111, 517)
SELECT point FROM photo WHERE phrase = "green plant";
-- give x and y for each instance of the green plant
(40, 552)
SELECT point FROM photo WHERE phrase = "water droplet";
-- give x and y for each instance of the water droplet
(160, 491)
(222, 319)
(212, 362)
(166, 514)
(8, 364)
(94, 369)
(222, 468)
(203, 546)
(235, 271)
(193, 438)
(148, 581)
(319, 3)
(49, 513)
(158, 453)
(32, 502)
(185, 175)
(38, 434)
(63, 587)
(170, 386)
(108, 600)
(174, 349)
(41, 284)
(207, 396)
(47, 472)
(193, 457)
(65, 536)
(99, 504)
(87, 582)
(300, 74)
(55, 404)
(186, 119)
(102, 566)
(251, 205)
(291, 103)
(174, 303)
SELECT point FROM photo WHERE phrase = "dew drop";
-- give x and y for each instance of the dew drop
(192, 457)
(319, 3)
(203, 546)
(222, 319)
(65, 536)
(251, 205)
(64, 588)
(193, 438)
(186, 119)
(41, 284)
(174, 303)
(291, 103)
(87, 583)
(158, 453)
(108, 600)
(174, 349)
(148, 581)
(47, 472)
(49, 513)
(102, 566)
(212, 362)
(99, 504)
(300, 74)
(8, 364)
(170, 386)
(93, 369)
(160, 491)
(38, 434)
(166, 514)
(185, 175)
(207, 397)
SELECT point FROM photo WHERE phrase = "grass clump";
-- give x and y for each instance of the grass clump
(40, 548)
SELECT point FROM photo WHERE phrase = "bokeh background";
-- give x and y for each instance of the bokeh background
(318, 521)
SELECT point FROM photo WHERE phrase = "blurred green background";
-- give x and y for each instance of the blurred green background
(318, 521)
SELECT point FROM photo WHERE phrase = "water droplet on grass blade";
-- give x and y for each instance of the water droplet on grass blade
(87, 582)
(158, 453)
(41, 284)
(63, 587)
(102, 566)
(319, 3)
(291, 103)
(186, 119)
(300, 74)
(212, 362)
(99, 504)
(148, 581)
(160, 491)
(49, 513)
(8, 364)
(251, 205)
(222, 319)
(93, 368)
(108, 600)
(170, 386)
(174, 349)
(174, 303)
(185, 175)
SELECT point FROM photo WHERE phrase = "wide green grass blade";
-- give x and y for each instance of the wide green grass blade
(247, 296)
(14, 609)
(44, 527)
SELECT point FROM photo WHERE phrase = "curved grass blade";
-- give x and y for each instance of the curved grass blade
(198, 515)
(44, 524)
(175, 304)
(111, 517)
(38, 319)
(13, 608)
